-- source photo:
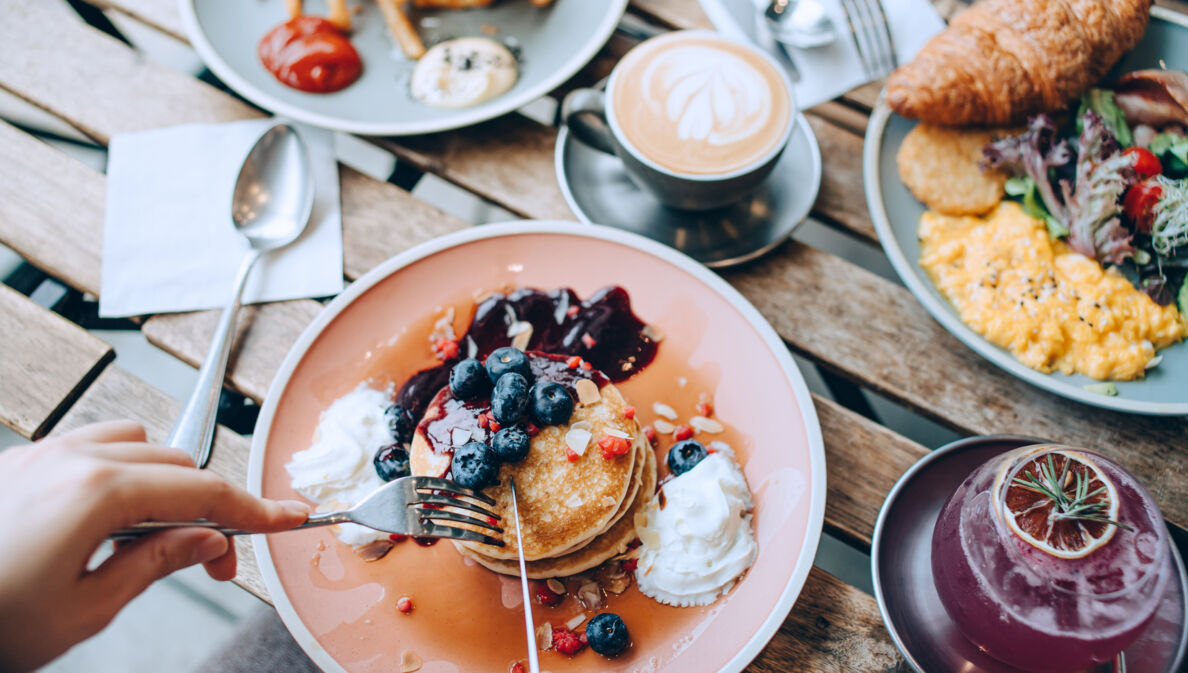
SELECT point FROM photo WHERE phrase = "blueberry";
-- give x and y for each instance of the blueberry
(400, 423)
(468, 380)
(507, 360)
(684, 456)
(607, 634)
(551, 403)
(475, 465)
(511, 444)
(391, 462)
(509, 400)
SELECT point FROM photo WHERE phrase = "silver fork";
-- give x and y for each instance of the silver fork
(405, 506)
(872, 33)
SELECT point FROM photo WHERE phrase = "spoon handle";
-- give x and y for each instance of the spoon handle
(194, 430)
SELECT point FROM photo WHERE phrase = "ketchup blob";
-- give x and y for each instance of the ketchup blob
(310, 54)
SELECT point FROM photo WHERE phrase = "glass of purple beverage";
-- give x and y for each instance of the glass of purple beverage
(1051, 559)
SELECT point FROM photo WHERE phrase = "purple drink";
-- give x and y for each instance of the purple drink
(1031, 569)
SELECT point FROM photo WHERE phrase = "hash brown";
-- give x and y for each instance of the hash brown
(940, 166)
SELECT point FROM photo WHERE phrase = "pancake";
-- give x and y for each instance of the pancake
(599, 550)
(562, 504)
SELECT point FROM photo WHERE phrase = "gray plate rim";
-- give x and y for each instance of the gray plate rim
(802, 123)
(942, 313)
(597, 37)
(901, 484)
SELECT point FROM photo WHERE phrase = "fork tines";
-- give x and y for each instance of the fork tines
(433, 494)
(872, 34)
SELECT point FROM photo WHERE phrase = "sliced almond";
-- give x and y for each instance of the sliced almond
(374, 551)
(409, 662)
(590, 596)
(522, 337)
(615, 432)
(663, 427)
(587, 392)
(664, 410)
(706, 424)
(557, 587)
(653, 333)
(575, 621)
(544, 636)
(459, 436)
(577, 439)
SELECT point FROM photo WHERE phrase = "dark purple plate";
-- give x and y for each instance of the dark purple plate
(908, 601)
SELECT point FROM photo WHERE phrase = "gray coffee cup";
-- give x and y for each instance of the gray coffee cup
(588, 117)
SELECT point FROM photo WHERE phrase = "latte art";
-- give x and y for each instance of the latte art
(711, 96)
(700, 104)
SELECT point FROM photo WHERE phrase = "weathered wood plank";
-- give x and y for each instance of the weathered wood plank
(118, 394)
(834, 628)
(58, 230)
(46, 361)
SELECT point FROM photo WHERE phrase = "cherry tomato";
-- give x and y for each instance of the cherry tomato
(1139, 204)
(1146, 164)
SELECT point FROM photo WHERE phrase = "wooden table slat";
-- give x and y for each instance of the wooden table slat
(46, 361)
(842, 316)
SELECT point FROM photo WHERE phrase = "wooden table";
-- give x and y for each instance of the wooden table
(850, 322)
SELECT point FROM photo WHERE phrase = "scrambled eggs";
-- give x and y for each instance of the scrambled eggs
(1054, 309)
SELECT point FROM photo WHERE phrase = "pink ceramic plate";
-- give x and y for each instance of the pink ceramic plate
(341, 610)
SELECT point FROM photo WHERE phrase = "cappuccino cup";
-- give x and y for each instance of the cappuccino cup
(698, 120)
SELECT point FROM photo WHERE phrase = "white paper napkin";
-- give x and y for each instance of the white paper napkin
(829, 71)
(168, 241)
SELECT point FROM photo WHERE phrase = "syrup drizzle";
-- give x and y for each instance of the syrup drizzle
(603, 330)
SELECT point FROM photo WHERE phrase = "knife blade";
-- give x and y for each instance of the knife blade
(529, 627)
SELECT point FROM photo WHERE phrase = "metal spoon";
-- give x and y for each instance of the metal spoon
(800, 23)
(270, 207)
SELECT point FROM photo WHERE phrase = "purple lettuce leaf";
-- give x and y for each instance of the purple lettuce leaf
(1103, 176)
(1033, 153)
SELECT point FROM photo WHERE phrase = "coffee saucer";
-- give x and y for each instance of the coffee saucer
(598, 190)
(901, 554)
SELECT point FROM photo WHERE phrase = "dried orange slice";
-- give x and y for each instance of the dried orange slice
(1058, 501)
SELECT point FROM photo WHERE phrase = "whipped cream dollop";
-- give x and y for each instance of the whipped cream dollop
(696, 534)
(336, 470)
(464, 72)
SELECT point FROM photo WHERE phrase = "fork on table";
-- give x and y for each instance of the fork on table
(414, 506)
(872, 33)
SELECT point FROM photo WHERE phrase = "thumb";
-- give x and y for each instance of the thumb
(135, 566)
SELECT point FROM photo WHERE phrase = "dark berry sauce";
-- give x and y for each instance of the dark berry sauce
(602, 330)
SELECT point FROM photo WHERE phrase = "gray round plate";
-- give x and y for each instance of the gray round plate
(902, 567)
(554, 43)
(896, 214)
(597, 188)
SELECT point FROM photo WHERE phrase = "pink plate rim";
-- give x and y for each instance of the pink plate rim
(804, 562)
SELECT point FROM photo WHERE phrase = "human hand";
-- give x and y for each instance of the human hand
(59, 500)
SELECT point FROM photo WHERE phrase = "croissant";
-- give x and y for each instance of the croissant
(1002, 60)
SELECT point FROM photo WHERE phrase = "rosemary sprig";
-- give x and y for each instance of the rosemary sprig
(1071, 506)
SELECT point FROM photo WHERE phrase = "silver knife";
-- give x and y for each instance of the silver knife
(529, 627)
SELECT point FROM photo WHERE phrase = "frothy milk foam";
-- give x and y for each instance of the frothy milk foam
(700, 104)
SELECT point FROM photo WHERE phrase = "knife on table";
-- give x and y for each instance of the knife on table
(529, 628)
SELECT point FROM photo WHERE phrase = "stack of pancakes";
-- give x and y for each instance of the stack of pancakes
(575, 514)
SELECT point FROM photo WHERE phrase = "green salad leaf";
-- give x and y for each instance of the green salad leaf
(1025, 188)
(1109, 389)
(1102, 102)
(1172, 150)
